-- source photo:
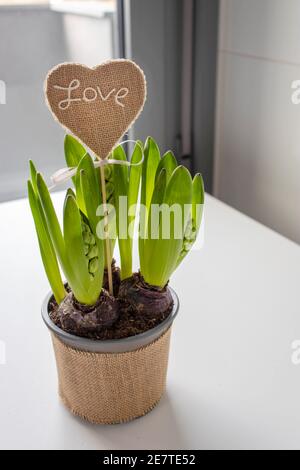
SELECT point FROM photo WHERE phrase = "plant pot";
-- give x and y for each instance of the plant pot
(112, 381)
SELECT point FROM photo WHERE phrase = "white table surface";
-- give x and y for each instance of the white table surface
(231, 381)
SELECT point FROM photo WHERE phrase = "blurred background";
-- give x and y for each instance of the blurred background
(219, 76)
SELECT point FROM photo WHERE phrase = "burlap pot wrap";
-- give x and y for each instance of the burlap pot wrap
(108, 388)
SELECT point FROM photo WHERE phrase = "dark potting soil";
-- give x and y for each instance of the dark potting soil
(129, 323)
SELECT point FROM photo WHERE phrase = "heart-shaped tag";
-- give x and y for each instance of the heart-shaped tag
(97, 105)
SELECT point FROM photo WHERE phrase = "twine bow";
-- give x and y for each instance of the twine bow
(64, 174)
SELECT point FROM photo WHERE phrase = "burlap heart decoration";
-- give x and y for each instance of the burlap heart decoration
(97, 105)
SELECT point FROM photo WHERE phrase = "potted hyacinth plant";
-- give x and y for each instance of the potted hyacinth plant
(111, 326)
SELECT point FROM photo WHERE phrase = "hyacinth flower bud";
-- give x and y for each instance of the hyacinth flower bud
(109, 189)
(90, 249)
(107, 172)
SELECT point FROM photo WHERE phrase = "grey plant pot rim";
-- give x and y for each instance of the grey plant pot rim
(128, 344)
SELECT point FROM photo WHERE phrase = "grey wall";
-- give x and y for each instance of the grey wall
(205, 64)
(32, 40)
(153, 40)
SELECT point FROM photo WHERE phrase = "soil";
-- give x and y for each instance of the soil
(130, 320)
(129, 323)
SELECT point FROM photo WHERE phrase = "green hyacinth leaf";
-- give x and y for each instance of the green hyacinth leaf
(33, 173)
(108, 173)
(85, 291)
(150, 164)
(196, 214)
(74, 151)
(46, 247)
(198, 201)
(91, 238)
(120, 172)
(169, 162)
(86, 164)
(153, 228)
(134, 184)
(163, 253)
(52, 222)
(121, 185)
(135, 175)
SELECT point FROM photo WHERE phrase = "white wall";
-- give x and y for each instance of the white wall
(257, 148)
(32, 40)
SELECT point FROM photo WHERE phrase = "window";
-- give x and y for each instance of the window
(36, 35)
